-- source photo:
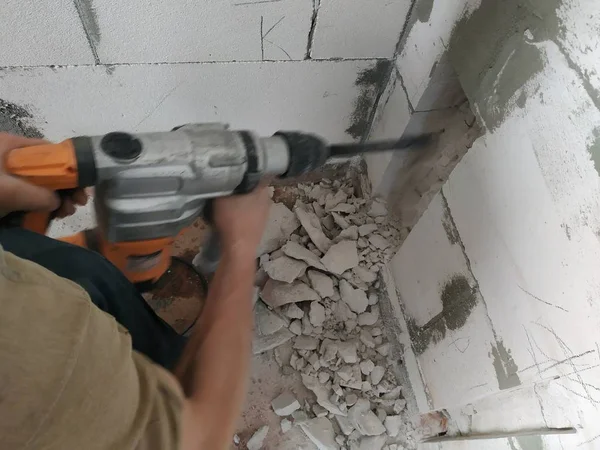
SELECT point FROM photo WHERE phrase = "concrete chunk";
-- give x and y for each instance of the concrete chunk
(292, 311)
(311, 224)
(379, 242)
(320, 432)
(257, 439)
(364, 420)
(281, 224)
(261, 344)
(348, 351)
(296, 251)
(377, 209)
(341, 257)
(349, 234)
(316, 314)
(285, 269)
(305, 343)
(267, 322)
(367, 229)
(285, 404)
(377, 375)
(340, 221)
(392, 425)
(365, 275)
(356, 299)
(372, 442)
(321, 283)
(277, 293)
(322, 394)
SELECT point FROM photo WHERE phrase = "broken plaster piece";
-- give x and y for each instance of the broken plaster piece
(341, 257)
(277, 293)
(267, 322)
(320, 432)
(322, 394)
(257, 439)
(372, 442)
(356, 299)
(285, 269)
(281, 224)
(379, 242)
(285, 404)
(366, 229)
(261, 344)
(321, 283)
(311, 224)
(296, 251)
(364, 420)
(316, 314)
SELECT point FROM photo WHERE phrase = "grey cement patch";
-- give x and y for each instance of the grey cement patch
(449, 227)
(16, 119)
(505, 367)
(458, 300)
(594, 149)
(530, 442)
(370, 83)
(89, 21)
(423, 10)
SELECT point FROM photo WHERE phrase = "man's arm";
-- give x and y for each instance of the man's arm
(214, 367)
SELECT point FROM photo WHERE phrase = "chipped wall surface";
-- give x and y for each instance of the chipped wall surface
(519, 218)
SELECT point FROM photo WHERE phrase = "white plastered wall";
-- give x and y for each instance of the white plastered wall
(519, 219)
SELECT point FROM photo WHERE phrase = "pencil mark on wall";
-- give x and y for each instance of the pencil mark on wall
(460, 344)
(589, 441)
(478, 386)
(160, 102)
(280, 48)
(256, 3)
(542, 301)
(263, 37)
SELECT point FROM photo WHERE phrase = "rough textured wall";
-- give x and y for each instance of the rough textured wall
(90, 66)
(500, 279)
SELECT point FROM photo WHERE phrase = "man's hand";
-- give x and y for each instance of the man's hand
(19, 195)
(241, 219)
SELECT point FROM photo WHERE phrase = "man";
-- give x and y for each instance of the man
(73, 377)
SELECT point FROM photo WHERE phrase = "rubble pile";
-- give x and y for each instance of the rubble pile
(319, 313)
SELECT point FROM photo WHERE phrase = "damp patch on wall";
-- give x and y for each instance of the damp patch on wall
(16, 119)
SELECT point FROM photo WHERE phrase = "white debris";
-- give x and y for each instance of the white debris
(372, 442)
(364, 420)
(392, 425)
(285, 269)
(377, 209)
(320, 432)
(281, 224)
(340, 221)
(345, 425)
(369, 318)
(296, 251)
(277, 293)
(285, 404)
(317, 314)
(236, 439)
(261, 344)
(321, 283)
(285, 425)
(379, 242)
(356, 299)
(305, 343)
(341, 257)
(332, 200)
(322, 394)
(366, 229)
(323, 377)
(267, 322)
(399, 406)
(292, 311)
(296, 327)
(310, 222)
(257, 439)
(373, 299)
(377, 375)
(348, 351)
(366, 338)
(365, 275)
(367, 366)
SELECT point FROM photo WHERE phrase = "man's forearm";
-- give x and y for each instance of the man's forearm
(214, 366)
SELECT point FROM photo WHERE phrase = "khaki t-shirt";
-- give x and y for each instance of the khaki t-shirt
(69, 378)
